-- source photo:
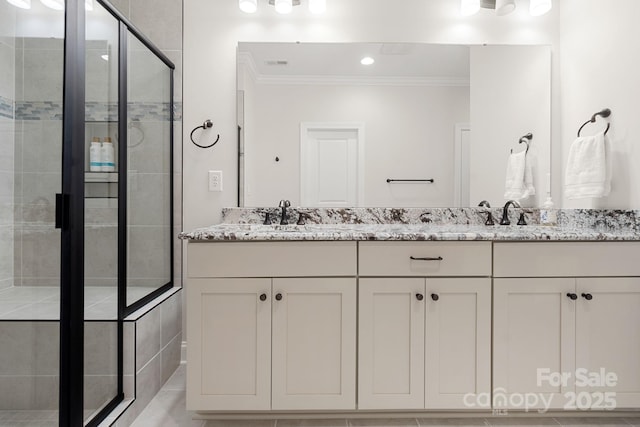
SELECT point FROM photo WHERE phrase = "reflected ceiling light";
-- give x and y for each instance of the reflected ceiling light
(367, 60)
(505, 7)
(53, 4)
(248, 6)
(105, 57)
(317, 6)
(539, 7)
(22, 4)
(88, 5)
(283, 6)
(469, 7)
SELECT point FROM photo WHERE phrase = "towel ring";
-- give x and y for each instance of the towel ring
(527, 140)
(604, 113)
(206, 125)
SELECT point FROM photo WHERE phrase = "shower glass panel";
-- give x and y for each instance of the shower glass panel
(149, 116)
(31, 93)
(101, 211)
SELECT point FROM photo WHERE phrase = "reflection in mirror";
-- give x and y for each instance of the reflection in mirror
(319, 128)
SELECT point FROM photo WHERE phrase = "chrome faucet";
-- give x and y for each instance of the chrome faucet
(485, 204)
(284, 204)
(505, 212)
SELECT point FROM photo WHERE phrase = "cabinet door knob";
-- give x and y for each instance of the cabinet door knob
(263, 297)
(572, 296)
(435, 297)
(419, 297)
(588, 297)
(278, 297)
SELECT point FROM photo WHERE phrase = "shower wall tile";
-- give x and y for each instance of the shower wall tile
(149, 148)
(162, 25)
(98, 390)
(46, 44)
(7, 23)
(7, 134)
(6, 187)
(101, 340)
(122, 6)
(29, 392)
(148, 76)
(7, 71)
(149, 203)
(149, 255)
(101, 252)
(102, 75)
(29, 348)
(171, 358)
(171, 320)
(38, 196)
(42, 244)
(42, 83)
(147, 338)
(175, 56)
(41, 146)
(6, 254)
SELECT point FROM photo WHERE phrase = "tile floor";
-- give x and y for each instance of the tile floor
(167, 409)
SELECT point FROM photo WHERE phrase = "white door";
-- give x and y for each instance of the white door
(533, 329)
(607, 338)
(391, 344)
(314, 344)
(229, 335)
(458, 343)
(332, 164)
(461, 166)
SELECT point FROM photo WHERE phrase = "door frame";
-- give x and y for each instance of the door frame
(305, 128)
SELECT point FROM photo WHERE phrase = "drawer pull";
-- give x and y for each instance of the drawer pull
(438, 258)
(435, 297)
(588, 297)
(572, 296)
(263, 297)
(278, 297)
(419, 297)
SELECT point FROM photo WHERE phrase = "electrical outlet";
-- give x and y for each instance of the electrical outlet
(215, 180)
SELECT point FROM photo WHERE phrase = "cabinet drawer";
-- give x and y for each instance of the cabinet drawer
(271, 259)
(566, 259)
(394, 258)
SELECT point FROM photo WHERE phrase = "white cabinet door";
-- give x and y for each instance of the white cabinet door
(458, 343)
(608, 340)
(229, 335)
(391, 344)
(533, 333)
(314, 351)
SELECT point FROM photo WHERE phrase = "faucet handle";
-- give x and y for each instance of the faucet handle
(284, 204)
(300, 218)
(267, 219)
(522, 220)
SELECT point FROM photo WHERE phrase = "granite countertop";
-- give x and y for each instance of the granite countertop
(409, 232)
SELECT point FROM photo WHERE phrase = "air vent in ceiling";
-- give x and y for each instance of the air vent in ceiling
(276, 62)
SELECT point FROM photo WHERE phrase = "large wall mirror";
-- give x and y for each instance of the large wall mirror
(318, 127)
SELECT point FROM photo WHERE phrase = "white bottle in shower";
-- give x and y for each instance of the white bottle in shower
(95, 155)
(107, 156)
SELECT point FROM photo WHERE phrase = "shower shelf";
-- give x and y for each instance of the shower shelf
(100, 177)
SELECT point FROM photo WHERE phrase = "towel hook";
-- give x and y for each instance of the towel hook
(206, 125)
(526, 139)
(604, 114)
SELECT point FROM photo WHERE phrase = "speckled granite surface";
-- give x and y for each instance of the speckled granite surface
(418, 224)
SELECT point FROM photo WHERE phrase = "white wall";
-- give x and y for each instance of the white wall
(600, 62)
(409, 133)
(213, 28)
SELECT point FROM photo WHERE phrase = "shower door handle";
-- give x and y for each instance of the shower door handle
(62, 211)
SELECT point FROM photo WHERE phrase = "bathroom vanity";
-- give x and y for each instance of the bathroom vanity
(411, 317)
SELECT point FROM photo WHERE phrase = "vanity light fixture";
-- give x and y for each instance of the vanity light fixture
(283, 6)
(53, 4)
(22, 4)
(539, 7)
(248, 6)
(367, 60)
(503, 7)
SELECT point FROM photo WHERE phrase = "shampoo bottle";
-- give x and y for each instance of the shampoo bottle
(108, 156)
(95, 158)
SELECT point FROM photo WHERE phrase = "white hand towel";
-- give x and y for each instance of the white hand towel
(519, 181)
(588, 172)
(515, 188)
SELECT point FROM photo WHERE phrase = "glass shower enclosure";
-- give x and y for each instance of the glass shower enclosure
(86, 137)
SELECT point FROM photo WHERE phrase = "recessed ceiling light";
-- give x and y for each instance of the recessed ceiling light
(22, 4)
(367, 60)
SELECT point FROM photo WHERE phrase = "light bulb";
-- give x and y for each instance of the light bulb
(469, 7)
(22, 4)
(367, 60)
(317, 6)
(248, 6)
(539, 7)
(88, 5)
(53, 4)
(284, 6)
(505, 7)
